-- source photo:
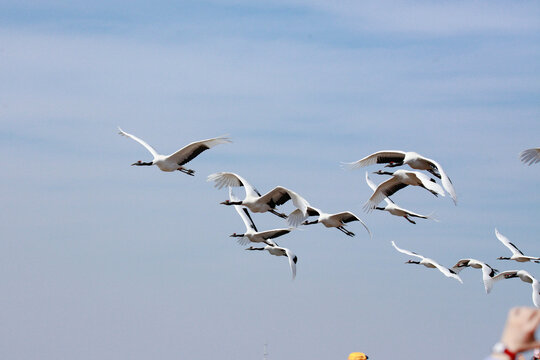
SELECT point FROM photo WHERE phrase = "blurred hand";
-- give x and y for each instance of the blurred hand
(518, 333)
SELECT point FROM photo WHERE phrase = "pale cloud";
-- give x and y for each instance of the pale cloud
(432, 18)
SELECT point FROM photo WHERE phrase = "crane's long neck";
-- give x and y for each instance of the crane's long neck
(140, 163)
(503, 258)
(380, 172)
(228, 202)
(310, 222)
(412, 262)
(237, 235)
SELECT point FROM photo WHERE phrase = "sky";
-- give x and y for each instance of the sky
(102, 260)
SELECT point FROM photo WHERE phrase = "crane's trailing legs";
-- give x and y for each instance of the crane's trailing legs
(186, 171)
(409, 220)
(281, 215)
(345, 231)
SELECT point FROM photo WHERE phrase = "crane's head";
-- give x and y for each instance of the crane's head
(236, 235)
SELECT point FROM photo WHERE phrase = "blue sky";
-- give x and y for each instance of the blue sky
(103, 260)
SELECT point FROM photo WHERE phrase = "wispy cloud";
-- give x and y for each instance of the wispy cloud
(434, 18)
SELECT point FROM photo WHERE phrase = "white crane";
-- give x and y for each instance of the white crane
(399, 180)
(517, 255)
(256, 202)
(414, 160)
(530, 156)
(176, 160)
(395, 210)
(338, 220)
(526, 277)
(252, 234)
(427, 262)
(280, 251)
(487, 271)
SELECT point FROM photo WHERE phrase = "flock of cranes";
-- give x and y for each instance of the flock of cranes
(255, 202)
(489, 274)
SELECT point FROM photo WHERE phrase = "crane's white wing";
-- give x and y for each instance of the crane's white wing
(501, 276)
(407, 252)
(189, 152)
(142, 142)
(530, 156)
(265, 236)
(505, 275)
(311, 211)
(487, 275)
(488, 284)
(413, 214)
(295, 218)
(426, 181)
(243, 212)
(274, 233)
(460, 265)
(487, 271)
(292, 261)
(447, 272)
(380, 157)
(373, 187)
(526, 277)
(536, 293)
(445, 180)
(280, 195)
(223, 179)
(386, 188)
(513, 248)
(347, 216)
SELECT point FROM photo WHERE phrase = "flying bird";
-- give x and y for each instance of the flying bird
(252, 234)
(338, 220)
(517, 255)
(256, 202)
(399, 180)
(487, 271)
(395, 210)
(416, 161)
(526, 277)
(428, 263)
(176, 160)
(280, 251)
(530, 156)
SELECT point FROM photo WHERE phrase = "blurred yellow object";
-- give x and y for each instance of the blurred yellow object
(357, 356)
